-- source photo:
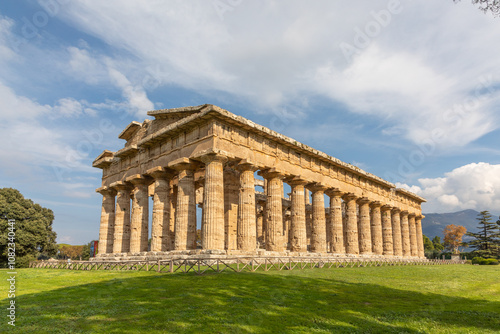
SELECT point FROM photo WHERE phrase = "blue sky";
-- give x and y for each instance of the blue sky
(406, 90)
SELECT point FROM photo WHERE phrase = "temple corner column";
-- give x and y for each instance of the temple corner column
(107, 222)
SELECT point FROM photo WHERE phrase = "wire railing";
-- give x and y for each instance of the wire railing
(203, 265)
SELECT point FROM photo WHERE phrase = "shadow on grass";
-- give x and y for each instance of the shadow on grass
(247, 303)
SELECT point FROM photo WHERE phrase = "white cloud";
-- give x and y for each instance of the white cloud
(101, 70)
(410, 72)
(6, 53)
(473, 186)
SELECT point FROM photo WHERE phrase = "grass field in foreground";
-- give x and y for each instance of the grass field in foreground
(408, 299)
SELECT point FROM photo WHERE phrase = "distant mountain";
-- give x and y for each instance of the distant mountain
(434, 223)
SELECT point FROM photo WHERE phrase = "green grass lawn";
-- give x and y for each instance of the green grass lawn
(408, 299)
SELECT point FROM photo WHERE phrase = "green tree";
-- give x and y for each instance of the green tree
(492, 6)
(34, 237)
(486, 241)
(436, 241)
(428, 245)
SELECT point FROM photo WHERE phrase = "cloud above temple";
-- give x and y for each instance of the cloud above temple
(473, 186)
(419, 83)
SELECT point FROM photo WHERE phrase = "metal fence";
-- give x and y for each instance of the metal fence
(203, 265)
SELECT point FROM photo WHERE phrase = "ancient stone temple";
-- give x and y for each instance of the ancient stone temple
(207, 160)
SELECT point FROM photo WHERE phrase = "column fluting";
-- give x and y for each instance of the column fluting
(212, 224)
(413, 235)
(121, 238)
(298, 237)
(376, 228)
(247, 221)
(107, 224)
(274, 211)
(387, 241)
(318, 232)
(364, 232)
(396, 232)
(140, 214)
(351, 242)
(336, 226)
(405, 234)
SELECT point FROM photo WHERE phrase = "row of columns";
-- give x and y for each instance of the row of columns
(380, 229)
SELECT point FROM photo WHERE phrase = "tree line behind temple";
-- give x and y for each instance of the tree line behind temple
(35, 240)
(484, 243)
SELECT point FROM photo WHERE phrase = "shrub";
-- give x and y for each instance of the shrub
(482, 261)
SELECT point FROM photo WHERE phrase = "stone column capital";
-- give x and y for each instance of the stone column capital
(246, 165)
(314, 187)
(106, 191)
(396, 210)
(120, 186)
(375, 204)
(404, 212)
(419, 217)
(295, 181)
(412, 215)
(183, 164)
(271, 173)
(208, 158)
(386, 207)
(334, 192)
(349, 197)
(137, 179)
(363, 200)
(160, 172)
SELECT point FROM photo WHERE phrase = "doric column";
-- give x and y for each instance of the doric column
(364, 232)
(107, 226)
(318, 233)
(388, 245)
(396, 232)
(405, 234)
(160, 229)
(212, 223)
(140, 214)
(261, 223)
(298, 237)
(413, 235)
(376, 228)
(185, 212)
(274, 219)
(336, 227)
(351, 242)
(121, 239)
(247, 229)
(173, 206)
(420, 237)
